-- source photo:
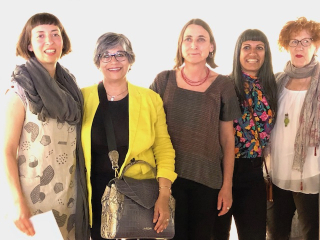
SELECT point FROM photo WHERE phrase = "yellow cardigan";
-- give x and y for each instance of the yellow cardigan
(148, 135)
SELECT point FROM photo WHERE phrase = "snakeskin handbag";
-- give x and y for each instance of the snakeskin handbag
(128, 207)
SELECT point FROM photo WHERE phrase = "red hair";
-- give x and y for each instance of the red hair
(294, 27)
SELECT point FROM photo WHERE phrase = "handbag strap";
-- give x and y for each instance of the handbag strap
(255, 123)
(108, 125)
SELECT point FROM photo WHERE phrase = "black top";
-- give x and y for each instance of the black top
(101, 170)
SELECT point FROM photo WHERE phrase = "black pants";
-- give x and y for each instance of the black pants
(249, 206)
(281, 211)
(196, 210)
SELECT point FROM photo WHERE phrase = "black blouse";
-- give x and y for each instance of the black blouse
(101, 170)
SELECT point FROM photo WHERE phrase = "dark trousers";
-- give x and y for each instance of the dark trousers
(196, 210)
(281, 211)
(249, 203)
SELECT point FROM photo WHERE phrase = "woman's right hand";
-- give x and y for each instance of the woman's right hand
(21, 219)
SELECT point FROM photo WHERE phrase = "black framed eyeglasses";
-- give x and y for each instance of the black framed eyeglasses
(120, 56)
(306, 42)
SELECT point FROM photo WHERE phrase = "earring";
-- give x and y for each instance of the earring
(210, 54)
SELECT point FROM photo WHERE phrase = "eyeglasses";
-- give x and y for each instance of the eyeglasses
(120, 56)
(304, 42)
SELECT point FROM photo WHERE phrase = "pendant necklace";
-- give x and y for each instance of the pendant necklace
(113, 97)
(286, 119)
(286, 115)
(194, 83)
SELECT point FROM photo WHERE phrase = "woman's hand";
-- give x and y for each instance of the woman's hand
(227, 143)
(21, 218)
(161, 213)
(224, 200)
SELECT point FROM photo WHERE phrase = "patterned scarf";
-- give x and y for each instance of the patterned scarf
(308, 134)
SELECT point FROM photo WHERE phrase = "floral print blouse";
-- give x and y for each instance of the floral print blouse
(246, 139)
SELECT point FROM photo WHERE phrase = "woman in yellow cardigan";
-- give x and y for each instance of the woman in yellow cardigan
(140, 128)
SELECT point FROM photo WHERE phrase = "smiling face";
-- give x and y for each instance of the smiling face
(252, 57)
(301, 55)
(196, 44)
(114, 70)
(46, 44)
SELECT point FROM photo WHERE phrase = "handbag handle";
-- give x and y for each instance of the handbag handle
(255, 123)
(133, 162)
(112, 145)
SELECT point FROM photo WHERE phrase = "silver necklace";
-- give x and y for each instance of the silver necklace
(112, 97)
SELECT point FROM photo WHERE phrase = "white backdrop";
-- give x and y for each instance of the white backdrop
(153, 28)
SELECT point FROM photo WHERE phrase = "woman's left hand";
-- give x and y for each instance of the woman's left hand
(161, 213)
(224, 200)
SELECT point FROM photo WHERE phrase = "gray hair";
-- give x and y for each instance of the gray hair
(110, 40)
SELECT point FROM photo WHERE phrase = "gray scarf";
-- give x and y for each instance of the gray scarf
(59, 99)
(47, 97)
(308, 134)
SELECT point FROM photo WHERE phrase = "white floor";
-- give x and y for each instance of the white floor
(233, 232)
(234, 235)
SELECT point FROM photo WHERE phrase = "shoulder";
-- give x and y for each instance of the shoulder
(67, 71)
(224, 82)
(225, 79)
(17, 89)
(280, 77)
(160, 82)
(144, 92)
(144, 96)
(90, 93)
(165, 75)
(89, 89)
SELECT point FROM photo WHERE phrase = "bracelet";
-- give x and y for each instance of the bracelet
(160, 187)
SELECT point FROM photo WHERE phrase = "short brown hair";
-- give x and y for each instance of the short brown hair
(294, 27)
(34, 21)
(179, 60)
